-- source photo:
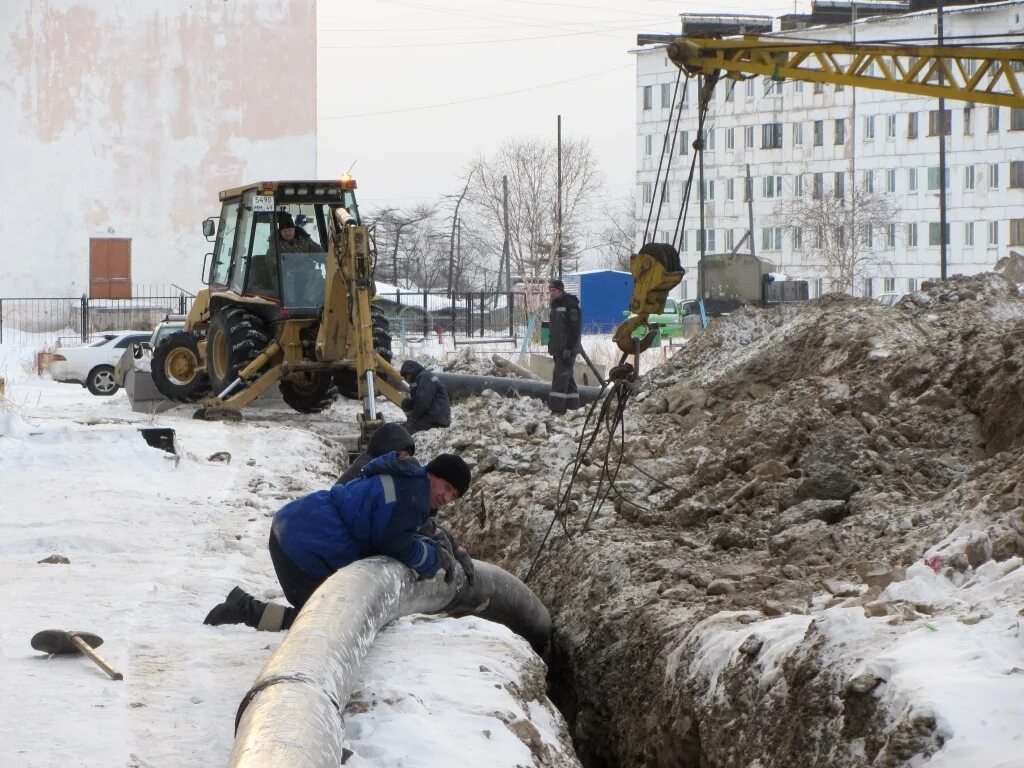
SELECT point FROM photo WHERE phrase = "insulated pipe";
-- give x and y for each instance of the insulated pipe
(461, 385)
(292, 714)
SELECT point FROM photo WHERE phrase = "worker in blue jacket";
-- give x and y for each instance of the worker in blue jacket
(378, 513)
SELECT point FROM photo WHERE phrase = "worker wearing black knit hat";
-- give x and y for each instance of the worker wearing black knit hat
(453, 471)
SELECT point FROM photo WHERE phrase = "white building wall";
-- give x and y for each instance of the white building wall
(124, 119)
(798, 103)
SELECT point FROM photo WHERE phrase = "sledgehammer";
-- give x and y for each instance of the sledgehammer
(62, 642)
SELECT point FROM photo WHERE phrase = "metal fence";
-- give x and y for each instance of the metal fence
(42, 320)
(462, 316)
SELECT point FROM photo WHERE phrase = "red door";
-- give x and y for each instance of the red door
(110, 268)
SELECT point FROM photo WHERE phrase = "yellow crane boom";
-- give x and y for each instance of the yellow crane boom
(967, 73)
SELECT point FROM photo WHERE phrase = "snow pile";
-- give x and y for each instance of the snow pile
(834, 463)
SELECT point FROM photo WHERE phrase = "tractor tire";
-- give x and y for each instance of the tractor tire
(178, 368)
(310, 392)
(346, 380)
(101, 381)
(235, 338)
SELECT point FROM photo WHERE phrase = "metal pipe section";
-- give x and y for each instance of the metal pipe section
(292, 715)
(461, 385)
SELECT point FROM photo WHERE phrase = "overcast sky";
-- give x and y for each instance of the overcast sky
(411, 90)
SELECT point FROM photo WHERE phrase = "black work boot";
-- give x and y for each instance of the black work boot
(239, 607)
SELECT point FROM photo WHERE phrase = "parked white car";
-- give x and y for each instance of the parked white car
(92, 366)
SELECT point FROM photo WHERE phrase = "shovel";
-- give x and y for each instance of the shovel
(63, 642)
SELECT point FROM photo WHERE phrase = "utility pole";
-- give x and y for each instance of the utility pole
(505, 270)
(853, 160)
(942, 158)
(558, 206)
(748, 184)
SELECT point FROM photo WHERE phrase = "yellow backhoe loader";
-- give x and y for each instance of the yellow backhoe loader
(288, 308)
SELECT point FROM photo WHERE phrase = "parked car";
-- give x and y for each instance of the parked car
(889, 298)
(144, 350)
(92, 366)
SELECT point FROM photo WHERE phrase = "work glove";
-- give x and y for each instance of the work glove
(567, 356)
(447, 558)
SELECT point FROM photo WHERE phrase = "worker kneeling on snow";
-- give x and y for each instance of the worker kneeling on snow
(427, 405)
(379, 513)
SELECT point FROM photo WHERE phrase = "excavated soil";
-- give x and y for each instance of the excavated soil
(812, 449)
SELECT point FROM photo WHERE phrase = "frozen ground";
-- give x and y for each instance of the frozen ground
(153, 543)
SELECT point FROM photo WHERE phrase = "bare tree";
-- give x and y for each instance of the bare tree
(841, 235)
(531, 167)
(390, 224)
(618, 238)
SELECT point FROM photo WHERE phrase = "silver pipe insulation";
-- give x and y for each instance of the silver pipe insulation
(460, 385)
(292, 715)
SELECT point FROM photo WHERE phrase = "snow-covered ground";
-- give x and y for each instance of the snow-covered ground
(153, 542)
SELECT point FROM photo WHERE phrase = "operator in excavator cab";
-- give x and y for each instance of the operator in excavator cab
(292, 239)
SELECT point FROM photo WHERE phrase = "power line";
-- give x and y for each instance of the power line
(477, 98)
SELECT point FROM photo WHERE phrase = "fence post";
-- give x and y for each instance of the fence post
(482, 314)
(511, 315)
(85, 318)
(426, 322)
(181, 303)
(469, 314)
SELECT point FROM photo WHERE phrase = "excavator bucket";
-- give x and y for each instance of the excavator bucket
(656, 270)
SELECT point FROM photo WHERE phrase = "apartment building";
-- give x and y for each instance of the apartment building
(801, 139)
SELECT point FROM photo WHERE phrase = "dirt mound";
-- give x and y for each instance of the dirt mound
(786, 462)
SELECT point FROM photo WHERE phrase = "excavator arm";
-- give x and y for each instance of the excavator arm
(984, 75)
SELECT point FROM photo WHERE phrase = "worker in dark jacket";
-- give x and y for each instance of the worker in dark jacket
(563, 346)
(379, 513)
(388, 437)
(427, 405)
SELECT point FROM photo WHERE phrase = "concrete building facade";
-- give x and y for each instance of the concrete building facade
(120, 122)
(799, 138)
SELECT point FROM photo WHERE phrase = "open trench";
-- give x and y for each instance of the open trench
(790, 462)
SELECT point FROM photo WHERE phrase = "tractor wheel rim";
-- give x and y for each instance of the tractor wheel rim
(220, 356)
(181, 366)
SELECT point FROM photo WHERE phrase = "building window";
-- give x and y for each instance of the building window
(912, 125)
(869, 181)
(730, 189)
(968, 115)
(749, 85)
(772, 186)
(890, 235)
(707, 191)
(968, 177)
(840, 136)
(869, 127)
(969, 233)
(730, 91)
(648, 192)
(706, 240)
(933, 178)
(940, 121)
(771, 135)
(771, 238)
(709, 139)
(1016, 174)
(993, 233)
(798, 185)
(912, 235)
(839, 184)
(798, 238)
(993, 176)
(933, 233)
(890, 126)
(730, 138)
(1016, 231)
(890, 180)
(648, 145)
(818, 189)
(912, 179)
(748, 136)
(684, 142)
(648, 96)
(730, 239)
(666, 95)
(665, 198)
(798, 86)
(911, 284)
(819, 132)
(839, 234)
(772, 87)
(798, 134)
(993, 119)
(869, 236)
(888, 284)
(819, 88)
(1016, 119)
